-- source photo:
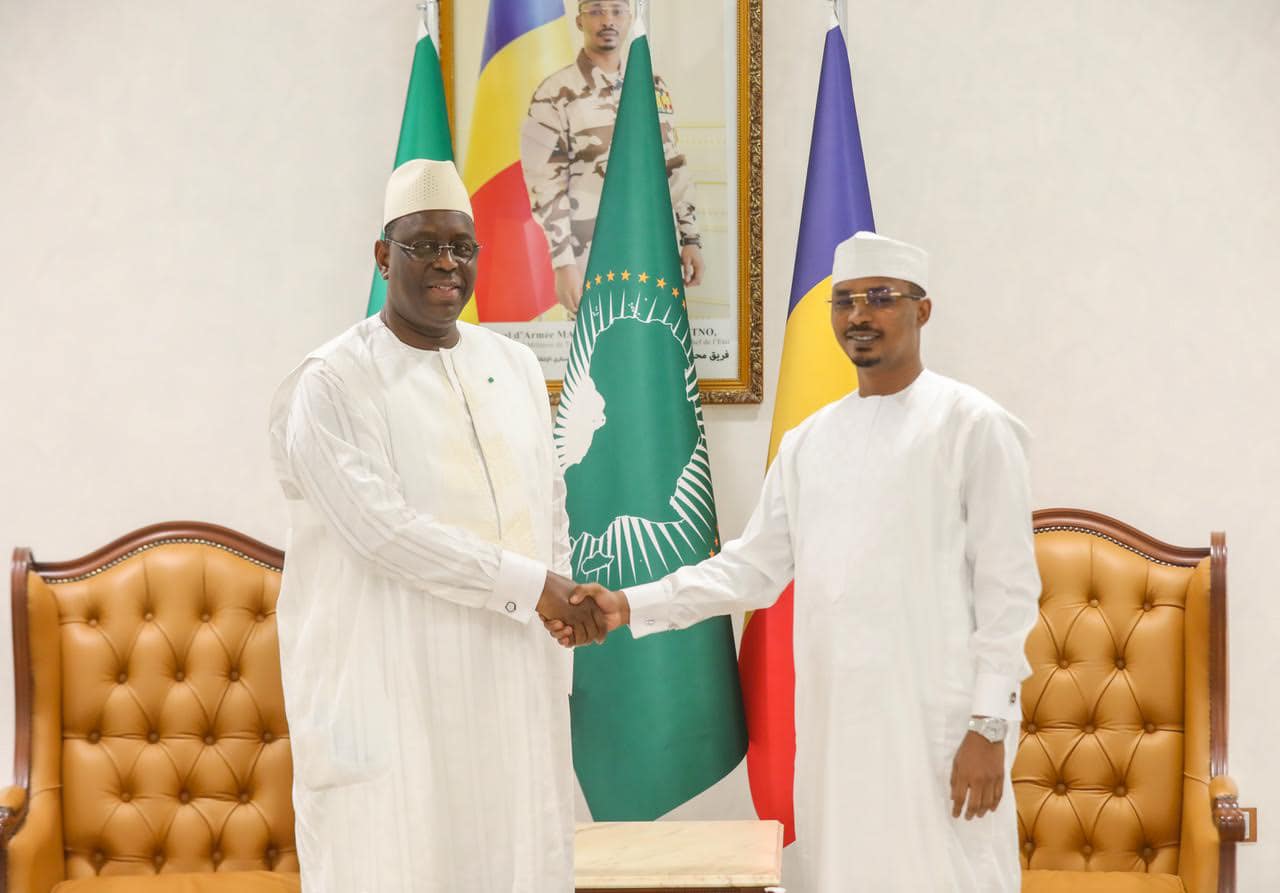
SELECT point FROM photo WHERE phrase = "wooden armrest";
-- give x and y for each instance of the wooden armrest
(13, 804)
(1234, 822)
(13, 798)
(31, 856)
(1223, 786)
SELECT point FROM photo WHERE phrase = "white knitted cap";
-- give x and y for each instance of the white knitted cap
(425, 185)
(866, 254)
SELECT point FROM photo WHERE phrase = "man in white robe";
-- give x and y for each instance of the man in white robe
(903, 513)
(429, 718)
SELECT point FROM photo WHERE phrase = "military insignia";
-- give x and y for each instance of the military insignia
(665, 106)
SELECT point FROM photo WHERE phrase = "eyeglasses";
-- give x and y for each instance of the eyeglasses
(599, 11)
(462, 250)
(874, 299)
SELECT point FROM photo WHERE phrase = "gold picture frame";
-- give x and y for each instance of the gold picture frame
(746, 383)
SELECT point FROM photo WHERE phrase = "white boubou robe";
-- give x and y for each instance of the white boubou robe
(427, 706)
(905, 521)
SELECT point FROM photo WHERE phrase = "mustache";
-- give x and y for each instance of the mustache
(433, 281)
(862, 330)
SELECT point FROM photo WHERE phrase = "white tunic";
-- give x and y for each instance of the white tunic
(906, 523)
(429, 717)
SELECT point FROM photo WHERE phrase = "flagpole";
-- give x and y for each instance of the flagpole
(430, 10)
(642, 13)
(840, 15)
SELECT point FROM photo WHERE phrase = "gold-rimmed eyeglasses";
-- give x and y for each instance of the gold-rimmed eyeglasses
(461, 250)
(874, 299)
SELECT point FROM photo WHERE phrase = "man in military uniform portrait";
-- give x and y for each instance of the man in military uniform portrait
(564, 149)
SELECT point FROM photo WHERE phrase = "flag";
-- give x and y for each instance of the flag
(815, 371)
(524, 41)
(424, 129)
(656, 720)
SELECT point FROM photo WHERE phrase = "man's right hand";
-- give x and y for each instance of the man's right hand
(615, 611)
(569, 287)
(579, 623)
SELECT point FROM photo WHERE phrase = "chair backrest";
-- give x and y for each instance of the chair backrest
(155, 703)
(1116, 724)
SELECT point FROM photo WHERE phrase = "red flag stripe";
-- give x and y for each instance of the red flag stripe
(768, 677)
(514, 282)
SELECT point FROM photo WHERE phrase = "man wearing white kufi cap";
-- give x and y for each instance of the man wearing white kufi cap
(429, 718)
(903, 514)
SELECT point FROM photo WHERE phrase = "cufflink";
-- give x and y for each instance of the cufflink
(511, 607)
(1013, 698)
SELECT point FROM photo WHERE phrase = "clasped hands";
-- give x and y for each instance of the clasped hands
(578, 614)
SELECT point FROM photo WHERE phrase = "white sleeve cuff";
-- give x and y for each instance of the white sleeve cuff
(996, 695)
(518, 587)
(650, 608)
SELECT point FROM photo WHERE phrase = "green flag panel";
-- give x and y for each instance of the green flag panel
(655, 720)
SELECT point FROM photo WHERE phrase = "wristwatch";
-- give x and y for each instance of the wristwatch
(989, 727)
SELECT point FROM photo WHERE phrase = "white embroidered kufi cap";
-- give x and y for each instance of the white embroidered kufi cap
(867, 254)
(425, 185)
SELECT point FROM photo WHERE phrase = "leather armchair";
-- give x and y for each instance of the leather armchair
(152, 753)
(1120, 776)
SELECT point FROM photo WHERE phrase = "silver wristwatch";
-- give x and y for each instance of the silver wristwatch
(989, 727)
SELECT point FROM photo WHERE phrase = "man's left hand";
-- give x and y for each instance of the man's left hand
(977, 774)
(691, 264)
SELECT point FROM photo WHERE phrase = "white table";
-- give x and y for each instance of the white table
(655, 857)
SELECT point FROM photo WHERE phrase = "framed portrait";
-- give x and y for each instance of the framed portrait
(532, 117)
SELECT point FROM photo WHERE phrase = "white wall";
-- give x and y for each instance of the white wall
(188, 192)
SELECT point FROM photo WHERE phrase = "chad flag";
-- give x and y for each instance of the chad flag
(815, 371)
(524, 42)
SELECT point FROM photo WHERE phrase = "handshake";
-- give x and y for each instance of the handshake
(578, 614)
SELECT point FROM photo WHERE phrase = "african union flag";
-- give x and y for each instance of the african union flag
(525, 41)
(815, 371)
(655, 720)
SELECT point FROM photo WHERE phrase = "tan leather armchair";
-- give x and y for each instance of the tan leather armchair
(152, 754)
(1120, 776)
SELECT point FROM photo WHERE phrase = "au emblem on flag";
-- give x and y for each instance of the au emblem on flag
(639, 321)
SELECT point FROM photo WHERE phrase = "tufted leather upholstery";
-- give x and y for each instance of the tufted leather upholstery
(159, 750)
(1112, 771)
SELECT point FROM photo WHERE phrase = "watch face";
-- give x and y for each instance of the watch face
(993, 730)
